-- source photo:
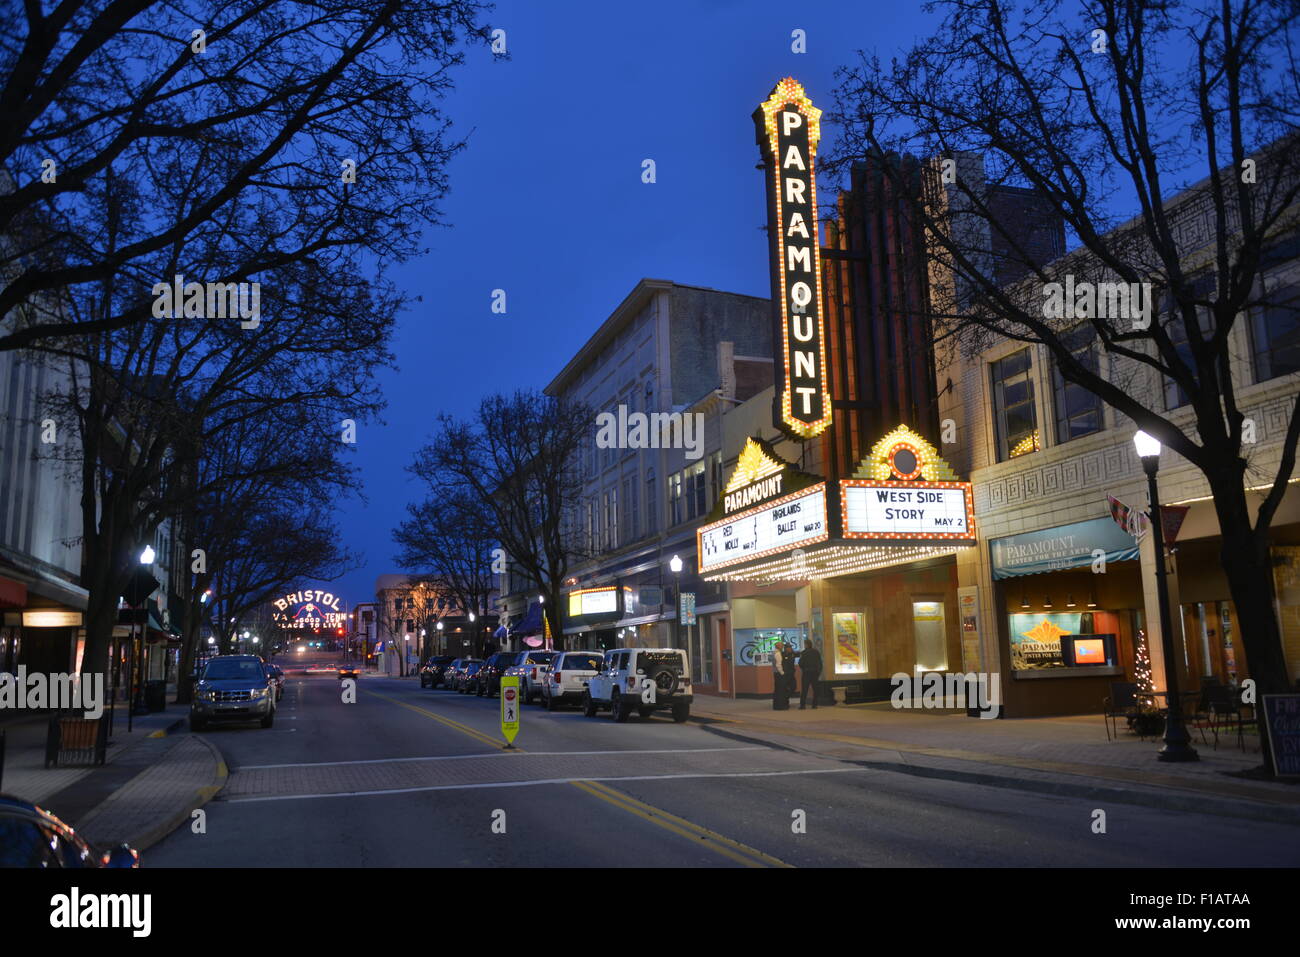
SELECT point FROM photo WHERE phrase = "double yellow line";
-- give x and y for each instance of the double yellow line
(732, 850)
(740, 853)
(455, 725)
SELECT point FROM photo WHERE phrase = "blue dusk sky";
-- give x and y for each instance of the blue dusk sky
(547, 201)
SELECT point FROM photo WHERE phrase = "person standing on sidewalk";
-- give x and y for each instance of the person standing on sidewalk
(810, 663)
(791, 676)
(780, 692)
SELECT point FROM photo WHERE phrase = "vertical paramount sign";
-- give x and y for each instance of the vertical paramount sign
(788, 128)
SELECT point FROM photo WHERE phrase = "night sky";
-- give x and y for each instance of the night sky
(547, 201)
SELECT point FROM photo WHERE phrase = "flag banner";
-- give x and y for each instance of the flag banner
(1130, 519)
(1171, 521)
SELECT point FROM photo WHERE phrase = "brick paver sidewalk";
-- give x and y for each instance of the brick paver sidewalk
(1074, 745)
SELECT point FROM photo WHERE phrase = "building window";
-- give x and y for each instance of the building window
(695, 492)
(1275, 327)
(625, 529)
(1202, 286)
(649, 396)
(1078, 411)
(1014, 416)
(631, 507)
(651, 504)
(591, 525)
(715, 476)
(675, 507)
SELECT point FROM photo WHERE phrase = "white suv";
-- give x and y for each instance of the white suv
(567, 677)
(643, 680)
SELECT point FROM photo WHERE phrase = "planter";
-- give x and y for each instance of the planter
(1148, 724)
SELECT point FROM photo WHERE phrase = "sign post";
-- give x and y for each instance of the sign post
(510, 708)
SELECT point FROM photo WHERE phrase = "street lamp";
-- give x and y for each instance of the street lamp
(675, 566)
(1177, 742)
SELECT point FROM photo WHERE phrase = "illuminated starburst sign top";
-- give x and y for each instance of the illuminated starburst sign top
(789, 128)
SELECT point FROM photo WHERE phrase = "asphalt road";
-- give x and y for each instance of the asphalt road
(414, 777)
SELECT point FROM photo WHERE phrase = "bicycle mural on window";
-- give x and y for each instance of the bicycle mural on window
(755, 645)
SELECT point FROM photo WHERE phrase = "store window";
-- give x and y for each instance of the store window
(754, 646)
(1045, 640)
(1078, 411)
(1015, 419)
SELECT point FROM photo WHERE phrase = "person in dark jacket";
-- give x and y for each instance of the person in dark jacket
(791, 676)
(810, 663)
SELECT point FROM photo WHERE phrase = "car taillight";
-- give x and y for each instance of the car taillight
(556, 677)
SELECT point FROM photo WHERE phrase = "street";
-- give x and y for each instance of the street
(417, 777)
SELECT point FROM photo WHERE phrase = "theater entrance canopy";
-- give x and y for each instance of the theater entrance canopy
(774, 522)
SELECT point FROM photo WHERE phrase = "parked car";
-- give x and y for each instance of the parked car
(531, 670)
(233, 688)
(277, 675)
(31, 836)
(466, 674)
(489, 677)
(431, 671)
(567, 677)
(644, 680)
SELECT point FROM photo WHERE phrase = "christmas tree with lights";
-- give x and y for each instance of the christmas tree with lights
(1142, 664)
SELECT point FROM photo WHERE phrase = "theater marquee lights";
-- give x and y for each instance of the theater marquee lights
(904, 490)
(788, 128)
(767, 506)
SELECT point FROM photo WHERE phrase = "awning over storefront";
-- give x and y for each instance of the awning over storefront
(1066, 546)
(531, 623)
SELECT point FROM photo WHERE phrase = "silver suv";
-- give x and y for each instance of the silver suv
(644, 680)
(233, 688)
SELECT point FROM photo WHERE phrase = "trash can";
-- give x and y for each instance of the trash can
(155, 695)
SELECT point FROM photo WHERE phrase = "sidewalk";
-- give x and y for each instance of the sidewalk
(1063, 755)
(151, 780)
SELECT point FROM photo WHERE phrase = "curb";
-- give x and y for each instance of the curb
(1166, 798)
(201, 797)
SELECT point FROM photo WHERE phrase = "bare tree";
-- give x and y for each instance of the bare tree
(290, 130)
(518, 459)
(1088, 104)
(448, 542)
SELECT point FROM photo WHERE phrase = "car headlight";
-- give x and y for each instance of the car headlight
(261, 692)
(208, 695)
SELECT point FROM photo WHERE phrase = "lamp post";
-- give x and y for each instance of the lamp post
(1177, 742)
(440, 644)
(675, 566)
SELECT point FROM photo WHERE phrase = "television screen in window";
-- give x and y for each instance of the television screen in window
(1089, 651)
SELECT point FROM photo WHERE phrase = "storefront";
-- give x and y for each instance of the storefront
(1070, 615)
(863, 568)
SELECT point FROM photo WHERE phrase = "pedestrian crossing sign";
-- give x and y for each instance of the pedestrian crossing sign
(510, 708)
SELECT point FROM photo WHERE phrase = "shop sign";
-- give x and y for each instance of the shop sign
(1066, 546)
(593, 601)
(788, 128)
(796, 519)
(912, 510)
(1282, 721)
(51, 619)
